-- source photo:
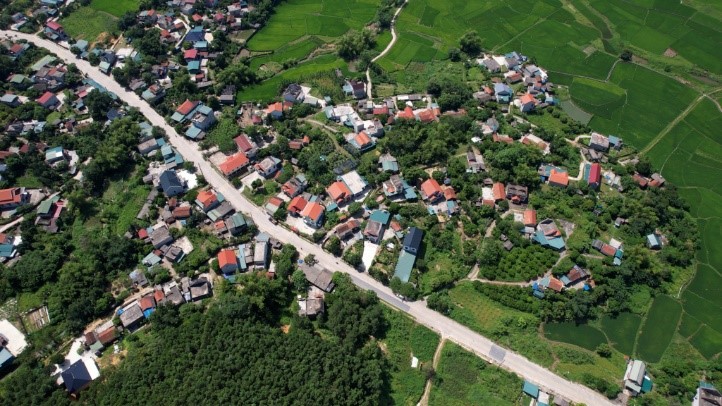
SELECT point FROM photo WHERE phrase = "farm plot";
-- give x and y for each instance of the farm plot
(663, 24)
(464, 379)
(648, 108)
(328, 19)
(582, 335)
(658, 328)
(596, 97)
(622, 331)
(707, 341)
(115, 7)
(87, 23)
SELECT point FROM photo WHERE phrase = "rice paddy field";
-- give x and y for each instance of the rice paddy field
(115, 7)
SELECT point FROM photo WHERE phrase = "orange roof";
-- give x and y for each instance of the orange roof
(275, 201)
(313, 211)
(278, 106)
(449, 193)
(158, 295)
(234, 163)
(498, 191)
(559, 178)
(407, 113)
(11, 195)
(430, 187)
(608, 250)
(339, 191)
(427, 116)
(147, 302)
(107, 336)
(527, 98)
(529, 217)
(227, 257)
(555, 284)
(362, 139)
(207, 197)
(187, 107)
(297, 204)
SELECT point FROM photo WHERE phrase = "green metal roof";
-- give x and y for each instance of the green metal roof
(405, 266)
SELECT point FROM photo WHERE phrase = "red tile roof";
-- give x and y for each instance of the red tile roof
(362, 139)
(449, 193)
(559, 178)
(555, 284)
(142, 233)
(108, 335)
(147, 302)
(16, 48)
(381, 110)
(190, 54)
(498, 191)
(227, 257)
(427, 116)
(243, 143)
(407, 113)
(182, 212)
(46, 97)
(608, 250)
(530, 218)
(11, 195)
(53, 25)
(187, 107)
(527, 98)
(595, 174)
(339, 192)
(207, 198)
(313, 210)
(297, 204)
(234, 163)
(430, 187)
(158, 295)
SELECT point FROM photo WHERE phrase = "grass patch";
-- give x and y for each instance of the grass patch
(582, 335)
(114, 7)
(658, 328)
(87, 23)
(465, 379)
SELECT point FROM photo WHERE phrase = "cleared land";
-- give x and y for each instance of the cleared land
(464, 379)
(87, 23)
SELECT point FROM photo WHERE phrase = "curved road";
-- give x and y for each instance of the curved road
(448, 328)
(386, 50)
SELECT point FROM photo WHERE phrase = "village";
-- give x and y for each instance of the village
(321, 166)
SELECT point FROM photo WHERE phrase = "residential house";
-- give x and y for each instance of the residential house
(615, 142)
(160, 236)
(246, 145)
(54, 31)
(558, 178)
(207, 200)
(170, 183)
(531, 139)
(185, 111)
(153, 93)
(599, 142)
(293, 93)
(182, 212)
(636, 381)
(147, 305)
(296, 206)
(361, 141)
(574, 276)
(319, 277)
(529, 218)
(275, 110)
(548, 235)
(654, 242)
(412, 240)
(131, 316)
(503, 93)
(707, 395)
(347, 229)
(475, 162)
(527, 103)
(295, 186)
(594, 178)
(234, 164)
(339, 192)
(388, 163)
(237, 223)
(518, 194)
(431, 191)
(376, 225)
(355, 183)
(55, 155)
(13, 197)
(491, 65)
(313, 214)
(79, 375)
(407, 258)
(268, 166)
(48, 100)
(355, 89)
(199, 289)
(223, 210)
(9, 99)
(261, 254)
(228, 261)
(498, 191)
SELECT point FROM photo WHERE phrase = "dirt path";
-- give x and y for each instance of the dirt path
(671, 125)
(369, 87)
(435, 363)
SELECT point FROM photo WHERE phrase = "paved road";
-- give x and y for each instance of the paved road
(448, 328)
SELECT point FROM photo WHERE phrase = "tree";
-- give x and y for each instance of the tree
(353, 43)
(604, 350)
(454, 54)
(300, 283)
(310, 259)
(626, 55)
(238, 74)
(98, 104)
(354, 208)
(470, 43)
(352, 257)
(333, 245)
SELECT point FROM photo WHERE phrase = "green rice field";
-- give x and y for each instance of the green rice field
(115, 7)
(582, 335)
(658, 329)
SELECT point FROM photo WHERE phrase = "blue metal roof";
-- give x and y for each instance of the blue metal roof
(531, 389)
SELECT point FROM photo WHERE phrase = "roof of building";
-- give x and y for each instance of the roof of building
(380, 216)
(244, 143)
(413, 238)
(147, 302)
(227, 257)
(404, 266)
(527, 98)
(530, 217)
(530, 389)
(595, 174)
(77, 376)
(430, 187)
(558, 177)
(187, 107)
(46, 97)
(338, 191)
(234, 162)
(207, 198)
(499, 191)
(313, 210)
